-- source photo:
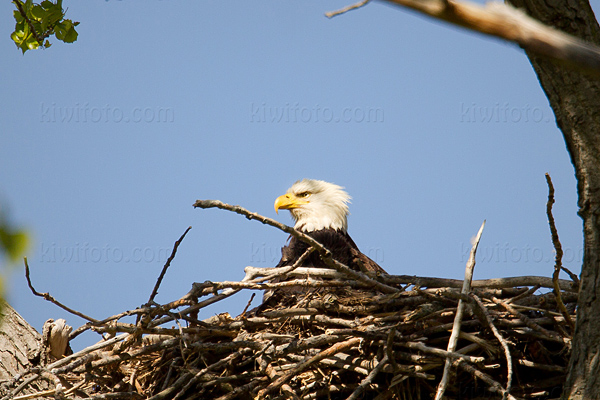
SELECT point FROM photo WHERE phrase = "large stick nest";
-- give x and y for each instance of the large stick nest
(328, 334)
(330, 343)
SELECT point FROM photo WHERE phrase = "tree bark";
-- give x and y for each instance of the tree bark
(575, 99)
(19, 342)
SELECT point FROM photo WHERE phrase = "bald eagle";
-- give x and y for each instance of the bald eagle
(320, 209)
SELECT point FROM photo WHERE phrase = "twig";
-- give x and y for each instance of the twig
(389, 350)
(528, 322)
(502, 341)
(344, 10)
(493, 385)
(248, 305)
(459, 313)
(22, 386)
(559, 253)
(323, 251)
(199, 374)
(167, 264)
(310, 283)
(51, 299)
(543, 367)
(441, 353)
(523, 295)
(336, 348)
(243, 389)
(367, 381)
(431, 282)
(85, 351)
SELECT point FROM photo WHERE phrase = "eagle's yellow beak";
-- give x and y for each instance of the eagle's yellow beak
(288, 201)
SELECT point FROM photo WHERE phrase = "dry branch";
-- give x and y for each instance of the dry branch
(558, 250)
(466, 288)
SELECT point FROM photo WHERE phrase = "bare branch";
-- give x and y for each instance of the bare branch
(502, 341)
(51, 299)
(344, 10)
(367, 381)
(559, 253)
(459, 313)
(166, 266)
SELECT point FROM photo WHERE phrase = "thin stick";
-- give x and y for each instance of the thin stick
(526, 320)
(423, 281)
(200, 373)
(85, 351)
(344, 10)
(248, 305)
(367, 381)
(459, 313)
(167, 264)
(502, 341)
(441, 353)
(336, 348)
(559, 253)
(493, 385)
(51, 299)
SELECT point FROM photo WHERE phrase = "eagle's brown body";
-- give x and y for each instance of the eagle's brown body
(320, 210)
(339, 243)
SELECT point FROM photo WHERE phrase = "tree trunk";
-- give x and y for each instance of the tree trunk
(575, 99)
(19, 343)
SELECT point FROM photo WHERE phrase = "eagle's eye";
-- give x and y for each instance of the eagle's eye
(304, 195)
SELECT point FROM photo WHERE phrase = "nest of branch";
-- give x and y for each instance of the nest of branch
(329, 333)
(337, 338)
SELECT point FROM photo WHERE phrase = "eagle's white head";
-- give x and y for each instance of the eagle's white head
(316, 205)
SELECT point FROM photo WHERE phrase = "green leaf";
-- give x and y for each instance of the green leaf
(31, 42)
(19, 241)
(38, 12)
(18, 17)
(71, 34)
(13, 243)
(60, 30)
(54, 15)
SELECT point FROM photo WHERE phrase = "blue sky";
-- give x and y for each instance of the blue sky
(107, 142)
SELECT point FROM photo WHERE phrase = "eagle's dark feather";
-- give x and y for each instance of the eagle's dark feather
(341, 245)
(342, 248)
